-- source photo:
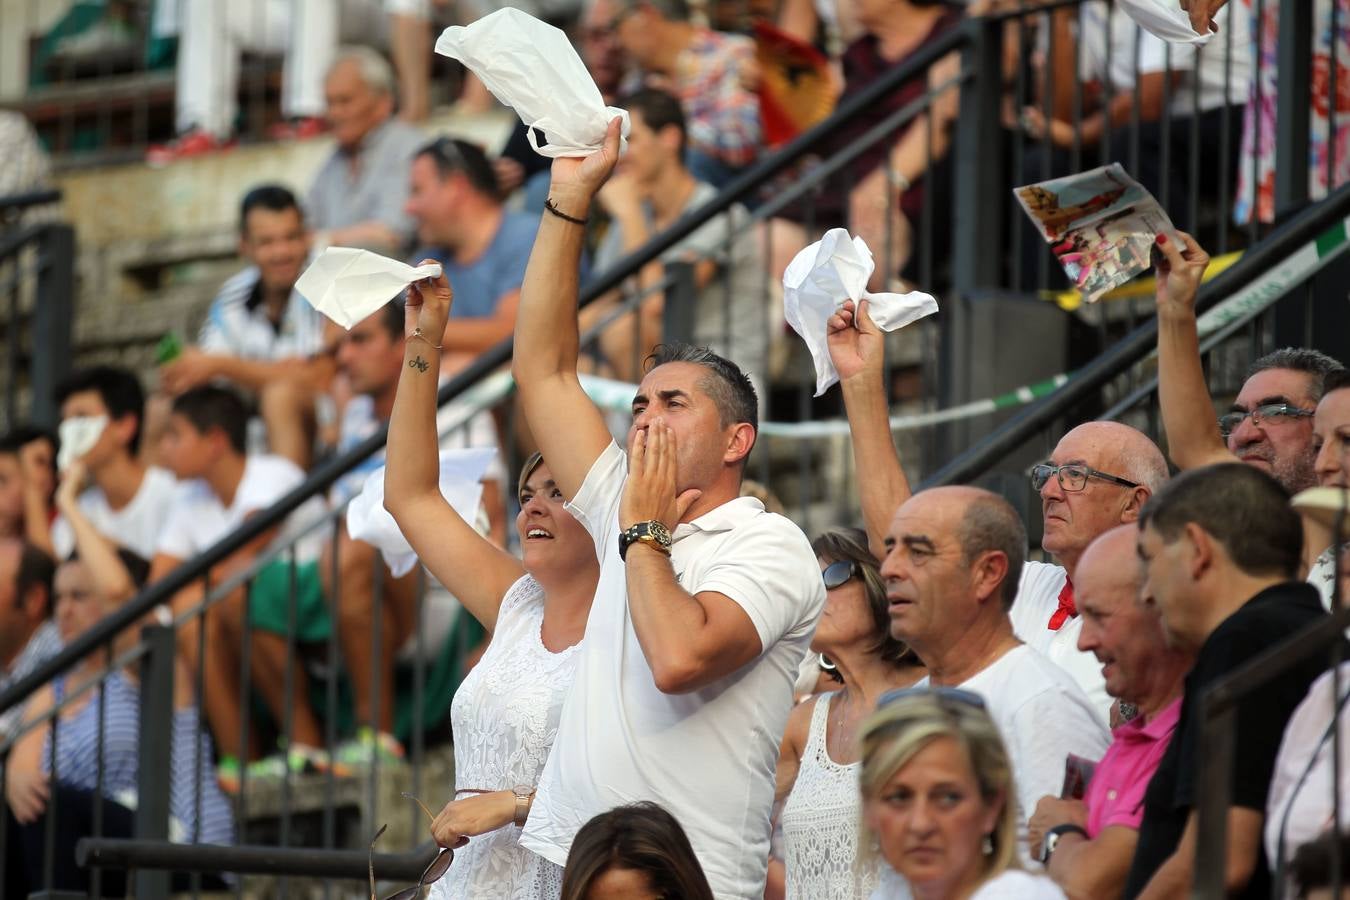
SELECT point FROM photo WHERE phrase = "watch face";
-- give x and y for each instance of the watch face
(660, 532)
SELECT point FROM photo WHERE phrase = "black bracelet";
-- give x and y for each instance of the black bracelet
(548, 205)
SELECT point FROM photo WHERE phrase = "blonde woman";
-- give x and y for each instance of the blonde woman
(937, 794)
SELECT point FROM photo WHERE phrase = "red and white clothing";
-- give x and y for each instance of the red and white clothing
(1045, 616)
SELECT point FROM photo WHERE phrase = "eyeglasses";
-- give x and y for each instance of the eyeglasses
(1073, 477)
(838, 573)
(949, 694)
(430, 875)
(1273, 413)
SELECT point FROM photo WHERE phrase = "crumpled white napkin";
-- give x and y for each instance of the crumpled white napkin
(461, 484)
(1164, 19)
(78, 436)
(532, 67)
(818, 281)
(347, 285)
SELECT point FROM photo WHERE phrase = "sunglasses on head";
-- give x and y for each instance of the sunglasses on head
(942, 694)
(838, 573)
(434, 871)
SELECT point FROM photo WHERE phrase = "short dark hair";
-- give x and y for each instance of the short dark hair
(641, 836)
(210, 407)
(453, 155)
(1313, 363)
(674, 10)
(15, 439)
(36, 569)
(991, 523)
(850, 545)
(1337, 380)
(1311, 866)
(392, 319)
(729, 387)
(137, 566)
(660, 109)
(118, 388)
(1242, 508)
(271, 197)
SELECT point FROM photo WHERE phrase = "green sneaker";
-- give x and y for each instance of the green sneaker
(367, 746)
(298, 759)
(227, 774)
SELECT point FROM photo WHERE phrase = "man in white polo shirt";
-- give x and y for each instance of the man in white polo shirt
(706, 602)
(1098, 477)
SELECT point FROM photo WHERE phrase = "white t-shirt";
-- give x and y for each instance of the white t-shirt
(707, 756)
(1043, 716)
(1037, 599)
(1014, 884)
(197, 519)
(135, 526)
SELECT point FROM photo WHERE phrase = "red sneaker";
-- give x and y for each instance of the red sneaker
(298, 129)
(193, 143)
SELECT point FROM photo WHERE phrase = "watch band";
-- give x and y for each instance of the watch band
(652, 533)
(1051, 839)
(524, 798)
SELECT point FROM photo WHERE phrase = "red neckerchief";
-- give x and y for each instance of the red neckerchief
(1067, 609)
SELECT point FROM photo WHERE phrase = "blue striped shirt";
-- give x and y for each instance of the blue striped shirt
(237, 324)
(77, 758)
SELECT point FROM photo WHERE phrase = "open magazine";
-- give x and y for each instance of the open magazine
(1100, 224)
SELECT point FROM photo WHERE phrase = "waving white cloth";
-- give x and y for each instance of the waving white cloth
(1164, 19)
(461, 485)
(78, 436)
(532, 67)
(818, 281)
(347, 285)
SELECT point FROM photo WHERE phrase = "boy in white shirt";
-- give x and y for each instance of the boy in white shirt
(219, 487)
(128, 501)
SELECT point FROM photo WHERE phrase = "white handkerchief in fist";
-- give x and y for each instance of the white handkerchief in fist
(462, 473)
(1165, 19)
(532, 67)
(818, 281)
(347, 285)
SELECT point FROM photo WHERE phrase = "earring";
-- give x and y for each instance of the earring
(827, 664)
(988, 847)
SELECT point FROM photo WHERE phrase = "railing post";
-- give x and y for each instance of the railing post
(155, 753)
(677, 313)
(1294, 63)
(980, 195)
(53, 313)
(1218, 722)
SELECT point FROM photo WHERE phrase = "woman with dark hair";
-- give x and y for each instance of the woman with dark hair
(635, 852)
(505, 713)
(818, 765)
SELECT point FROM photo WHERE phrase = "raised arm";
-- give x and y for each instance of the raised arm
(470, 567)
(569, 429)
(1193, 438)
(112, 581)
(859, 355)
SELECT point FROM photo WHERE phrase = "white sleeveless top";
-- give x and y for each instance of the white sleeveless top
(505, 715)
(820, 823)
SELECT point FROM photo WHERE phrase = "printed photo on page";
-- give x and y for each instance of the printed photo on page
(1100, 224)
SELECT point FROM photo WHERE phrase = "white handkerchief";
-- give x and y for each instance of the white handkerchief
(818, 281)
(461, 485)
(1164, 19)
(78, 436)
(347, 285)
(532, 67)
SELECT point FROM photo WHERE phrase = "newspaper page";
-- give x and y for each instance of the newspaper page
(1100, 224)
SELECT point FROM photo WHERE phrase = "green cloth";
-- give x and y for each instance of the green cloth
(268, 607)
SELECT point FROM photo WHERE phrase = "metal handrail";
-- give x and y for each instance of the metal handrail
(119, 853)
(29, 198)
(1138, 344)
(486, 363)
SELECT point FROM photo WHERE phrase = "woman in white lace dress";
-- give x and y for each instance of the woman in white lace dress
(818, 765)
(505, 713)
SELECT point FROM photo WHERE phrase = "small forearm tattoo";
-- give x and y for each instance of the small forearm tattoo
(419, 364)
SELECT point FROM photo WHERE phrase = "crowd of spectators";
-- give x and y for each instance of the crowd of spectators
(1000, 725)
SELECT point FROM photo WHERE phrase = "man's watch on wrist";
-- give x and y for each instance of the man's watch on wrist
(652, 533)
(524, 794)
(1051, 839)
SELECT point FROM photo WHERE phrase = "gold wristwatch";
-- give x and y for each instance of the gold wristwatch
(524, 797)
(652, 533)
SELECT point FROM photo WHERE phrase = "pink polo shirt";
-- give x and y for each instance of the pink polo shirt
(1115, 795)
